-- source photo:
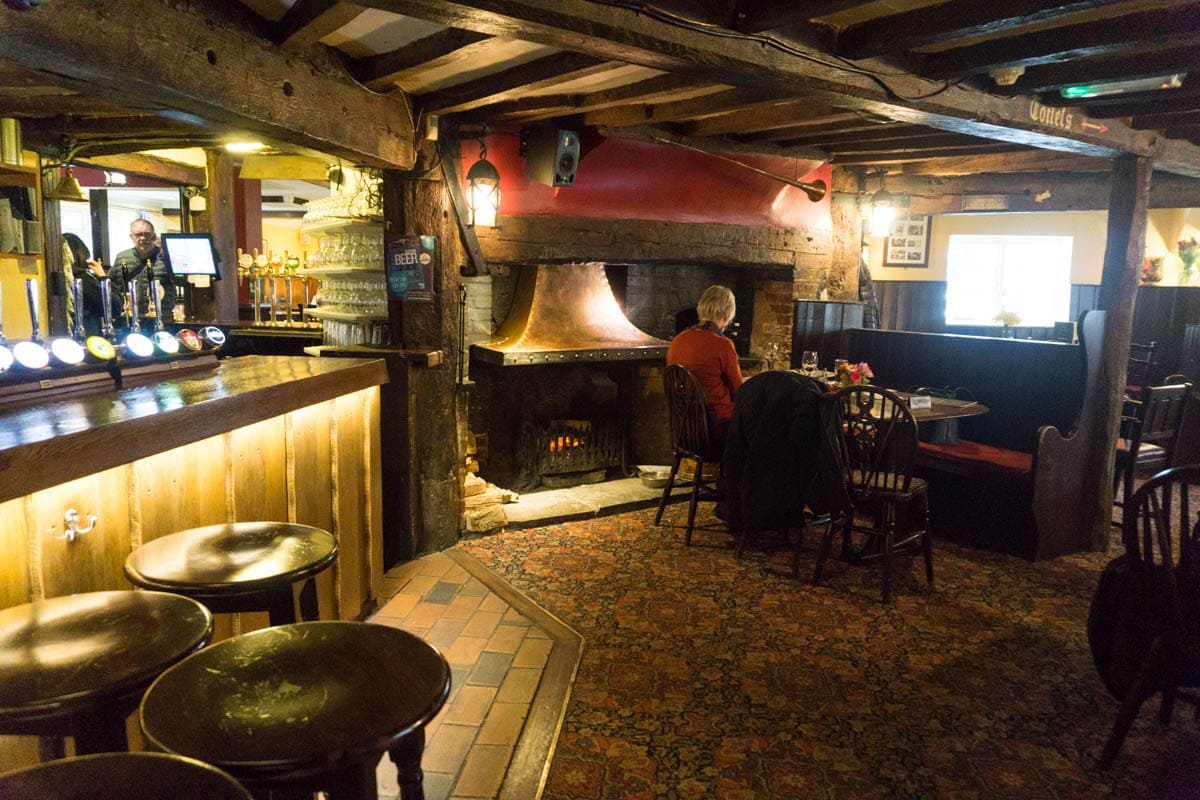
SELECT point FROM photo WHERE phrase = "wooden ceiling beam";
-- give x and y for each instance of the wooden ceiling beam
(718, 146)
(793, 132)
(903, 156)
(724, 102)
(204, 68)
(149, 167)
(386, 70)
(767, 115)
(1052, 77)
(309, 21)
(891, 132)
(948, 22)
(623, 34)
(50, 105)
(1157, 28)
(1024, 161)
(660, 89)
(759, 16)
(932, 141)
(514, 82)
(1139, 104)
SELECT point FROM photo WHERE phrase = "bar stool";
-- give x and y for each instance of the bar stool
(121, 776)
(238, 566)
(303, 708)
(77, 665)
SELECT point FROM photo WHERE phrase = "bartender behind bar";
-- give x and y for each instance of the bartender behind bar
(140, 262)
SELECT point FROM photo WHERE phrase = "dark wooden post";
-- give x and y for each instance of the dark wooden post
(220, 219)
(845, 213)
(1073, 485)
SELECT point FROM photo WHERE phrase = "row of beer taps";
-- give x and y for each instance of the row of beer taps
(262, 271)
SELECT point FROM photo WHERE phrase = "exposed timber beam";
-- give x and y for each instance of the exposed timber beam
(767, 115)
(437, 50)
(871, 157)
(149, 167)
(724, 102)
(623, 34)
(513, 82)
(1026, 161)
(51, 104)
(201, 68)
(308, 21)
(652, 91)
(1052, 77)
(717, 146)
(758, 16)
(948, 22)
(1156, 28)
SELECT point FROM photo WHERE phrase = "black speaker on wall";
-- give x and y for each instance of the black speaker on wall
(551, 155)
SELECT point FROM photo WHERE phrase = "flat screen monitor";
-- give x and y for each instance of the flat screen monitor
(191, 254)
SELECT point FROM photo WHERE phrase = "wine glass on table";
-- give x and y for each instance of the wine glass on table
(808, 362)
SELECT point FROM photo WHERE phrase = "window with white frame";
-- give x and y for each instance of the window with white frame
(1027, 276)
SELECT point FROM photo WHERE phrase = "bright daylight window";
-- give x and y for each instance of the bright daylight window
(1029, 276)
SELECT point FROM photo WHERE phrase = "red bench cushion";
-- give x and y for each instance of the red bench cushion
(967, 452)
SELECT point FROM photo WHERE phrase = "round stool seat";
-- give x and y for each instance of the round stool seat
(121, 776)
(77, 665)
(310, 706)
(237, 566)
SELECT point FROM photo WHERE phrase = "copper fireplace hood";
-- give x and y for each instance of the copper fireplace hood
(566, 313)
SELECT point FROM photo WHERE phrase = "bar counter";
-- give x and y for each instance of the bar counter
(257, 438)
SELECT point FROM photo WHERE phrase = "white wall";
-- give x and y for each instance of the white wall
(1165, 227)
(1087, 227)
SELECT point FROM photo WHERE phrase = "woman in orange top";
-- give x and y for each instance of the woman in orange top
(705, 350)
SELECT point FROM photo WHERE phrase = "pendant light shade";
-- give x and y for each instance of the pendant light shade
(883, 211)
(68, 189)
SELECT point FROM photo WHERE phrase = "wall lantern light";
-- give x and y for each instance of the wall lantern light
(483, 189)
(883, 209)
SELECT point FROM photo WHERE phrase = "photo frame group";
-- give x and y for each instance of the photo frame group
(907, 243)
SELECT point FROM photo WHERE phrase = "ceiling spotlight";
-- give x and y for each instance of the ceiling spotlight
(244, 147)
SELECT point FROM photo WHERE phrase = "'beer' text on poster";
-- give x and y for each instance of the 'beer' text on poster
(409, 268)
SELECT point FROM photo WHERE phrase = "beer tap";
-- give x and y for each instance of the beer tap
(136, 344)
(98, 347)
(77, 297)
(164, 340)
(6, 356)
(32, 354)
(107, 329)
(256, 287)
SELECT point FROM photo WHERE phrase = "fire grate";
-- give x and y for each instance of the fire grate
(568, 446)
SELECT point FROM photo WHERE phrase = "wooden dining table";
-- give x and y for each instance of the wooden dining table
(940, 408)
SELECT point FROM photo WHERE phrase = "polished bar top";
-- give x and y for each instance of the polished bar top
(47, 444)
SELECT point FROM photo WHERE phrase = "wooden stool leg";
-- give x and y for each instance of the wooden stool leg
(354, 783)
(308, 602)
(104, 733)
(406, 755)
(281, 606)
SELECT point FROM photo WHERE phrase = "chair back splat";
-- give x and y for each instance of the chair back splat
(1144, 623)
(879, 440)
(1152, 420)
(687, 414)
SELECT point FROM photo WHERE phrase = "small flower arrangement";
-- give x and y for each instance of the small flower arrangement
(1189, 253)
(854, 374)
(1009, 319)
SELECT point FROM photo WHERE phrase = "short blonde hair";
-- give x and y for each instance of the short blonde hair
(716, 303)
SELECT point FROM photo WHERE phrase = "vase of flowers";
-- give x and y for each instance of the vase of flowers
(1189, 254)
(854, 374)
(1010, 320)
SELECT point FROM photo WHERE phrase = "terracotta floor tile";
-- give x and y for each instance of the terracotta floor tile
(419, 585)
(537, 633)
(438, 785)
(493, 602)
(483, 773)
(436, 565)
(444, 632)
(490, 669)
(465, 651)
(503, 724)
(506, 639)
(463, 606)
(446, 749)
(514, 617)
(475, 588)
(519, 686)
(399, 605)
(457, 574)
(471, 705)
(533, 653)
(442, 592)
(482, 623)
(424, 615)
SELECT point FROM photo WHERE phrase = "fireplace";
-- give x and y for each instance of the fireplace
(557, 386)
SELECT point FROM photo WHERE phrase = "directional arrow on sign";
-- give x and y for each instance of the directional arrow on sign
(1098, 127)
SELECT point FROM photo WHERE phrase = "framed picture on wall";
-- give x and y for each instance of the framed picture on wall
(907, 243)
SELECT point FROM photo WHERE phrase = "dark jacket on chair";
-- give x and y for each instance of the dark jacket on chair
(782, 453)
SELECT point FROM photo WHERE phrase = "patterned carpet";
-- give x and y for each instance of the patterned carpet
(705, 677)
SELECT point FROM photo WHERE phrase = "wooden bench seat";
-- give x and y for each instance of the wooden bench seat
(973, 458)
